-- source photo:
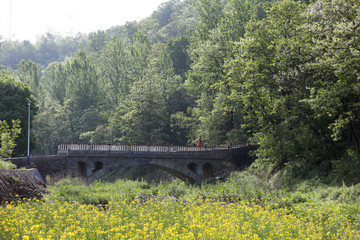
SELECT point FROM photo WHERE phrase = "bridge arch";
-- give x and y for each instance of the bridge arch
(192, 167)
(105, 170)
(97, 166)
(186, 175)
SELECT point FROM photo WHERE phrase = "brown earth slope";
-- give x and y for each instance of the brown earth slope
(20, 184)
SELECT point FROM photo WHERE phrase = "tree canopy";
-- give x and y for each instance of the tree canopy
(14, 113)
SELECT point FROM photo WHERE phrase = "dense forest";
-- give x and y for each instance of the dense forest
(283, 74)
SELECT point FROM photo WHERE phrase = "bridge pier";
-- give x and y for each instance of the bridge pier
(200, 171)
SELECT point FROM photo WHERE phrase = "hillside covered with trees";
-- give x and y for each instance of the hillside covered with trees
(284, 74)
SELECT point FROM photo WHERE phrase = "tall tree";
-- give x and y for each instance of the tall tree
(97, 41)
(55, 80)
(116, 71)
(51, 126)
(141, 118)
(178, 49)
(140, 52)
(207, 51)
(13, 106)
(268, 78)
(144, 116)
(210, 12)
(83, 95)
(47, 49)
(335, 44)
(217, 117)
(28, 73)
(172, 91)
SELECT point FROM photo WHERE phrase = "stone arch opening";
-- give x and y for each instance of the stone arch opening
(207, 170)
(192, 167)
(97, 166)
(82, 169)
(189, 176)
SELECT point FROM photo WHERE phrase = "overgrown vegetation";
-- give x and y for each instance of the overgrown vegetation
(242, 207)
(240, 186)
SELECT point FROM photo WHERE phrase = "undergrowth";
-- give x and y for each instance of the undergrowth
(239, 186)
(244, 206)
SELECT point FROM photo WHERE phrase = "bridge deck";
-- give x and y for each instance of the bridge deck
(64, 148)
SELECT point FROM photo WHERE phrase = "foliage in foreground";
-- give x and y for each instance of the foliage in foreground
(242, 207)
(171, 220)
(6, 165)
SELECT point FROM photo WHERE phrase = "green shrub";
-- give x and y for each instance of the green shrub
(7, 165)
(68, 182)
(176, 188)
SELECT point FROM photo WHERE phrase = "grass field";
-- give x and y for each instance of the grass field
(240, 208)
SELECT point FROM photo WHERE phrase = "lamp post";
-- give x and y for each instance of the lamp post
(28, 146)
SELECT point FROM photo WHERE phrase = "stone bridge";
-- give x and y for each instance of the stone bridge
(93, 161)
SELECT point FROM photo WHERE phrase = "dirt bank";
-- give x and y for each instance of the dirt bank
(19, 184)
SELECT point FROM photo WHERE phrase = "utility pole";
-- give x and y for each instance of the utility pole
(28, 146)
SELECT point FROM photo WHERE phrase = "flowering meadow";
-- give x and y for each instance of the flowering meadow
(62, 215)
(171, 220)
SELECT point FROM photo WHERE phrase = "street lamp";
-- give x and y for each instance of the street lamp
(28, 146)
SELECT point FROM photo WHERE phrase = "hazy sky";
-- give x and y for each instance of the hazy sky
(32, 18)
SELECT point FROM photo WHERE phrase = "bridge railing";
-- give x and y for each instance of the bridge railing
(64, 148)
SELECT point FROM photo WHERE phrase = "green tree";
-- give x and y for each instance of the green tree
(178, 49)
(335, 43)
(116, 71)
(210, 13)
(172, 91)
(140, 53)
(131, 28)
(48, 50)
(217, 117)
(14, 105)
(97, 41)
(83, 95)
(55, 80)
(9, 56)
(164, 12)
(141, 119)
(269, 80)
(8, 137)
(206, 72)
(51, 126)
(28, 73)
(144, 116)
